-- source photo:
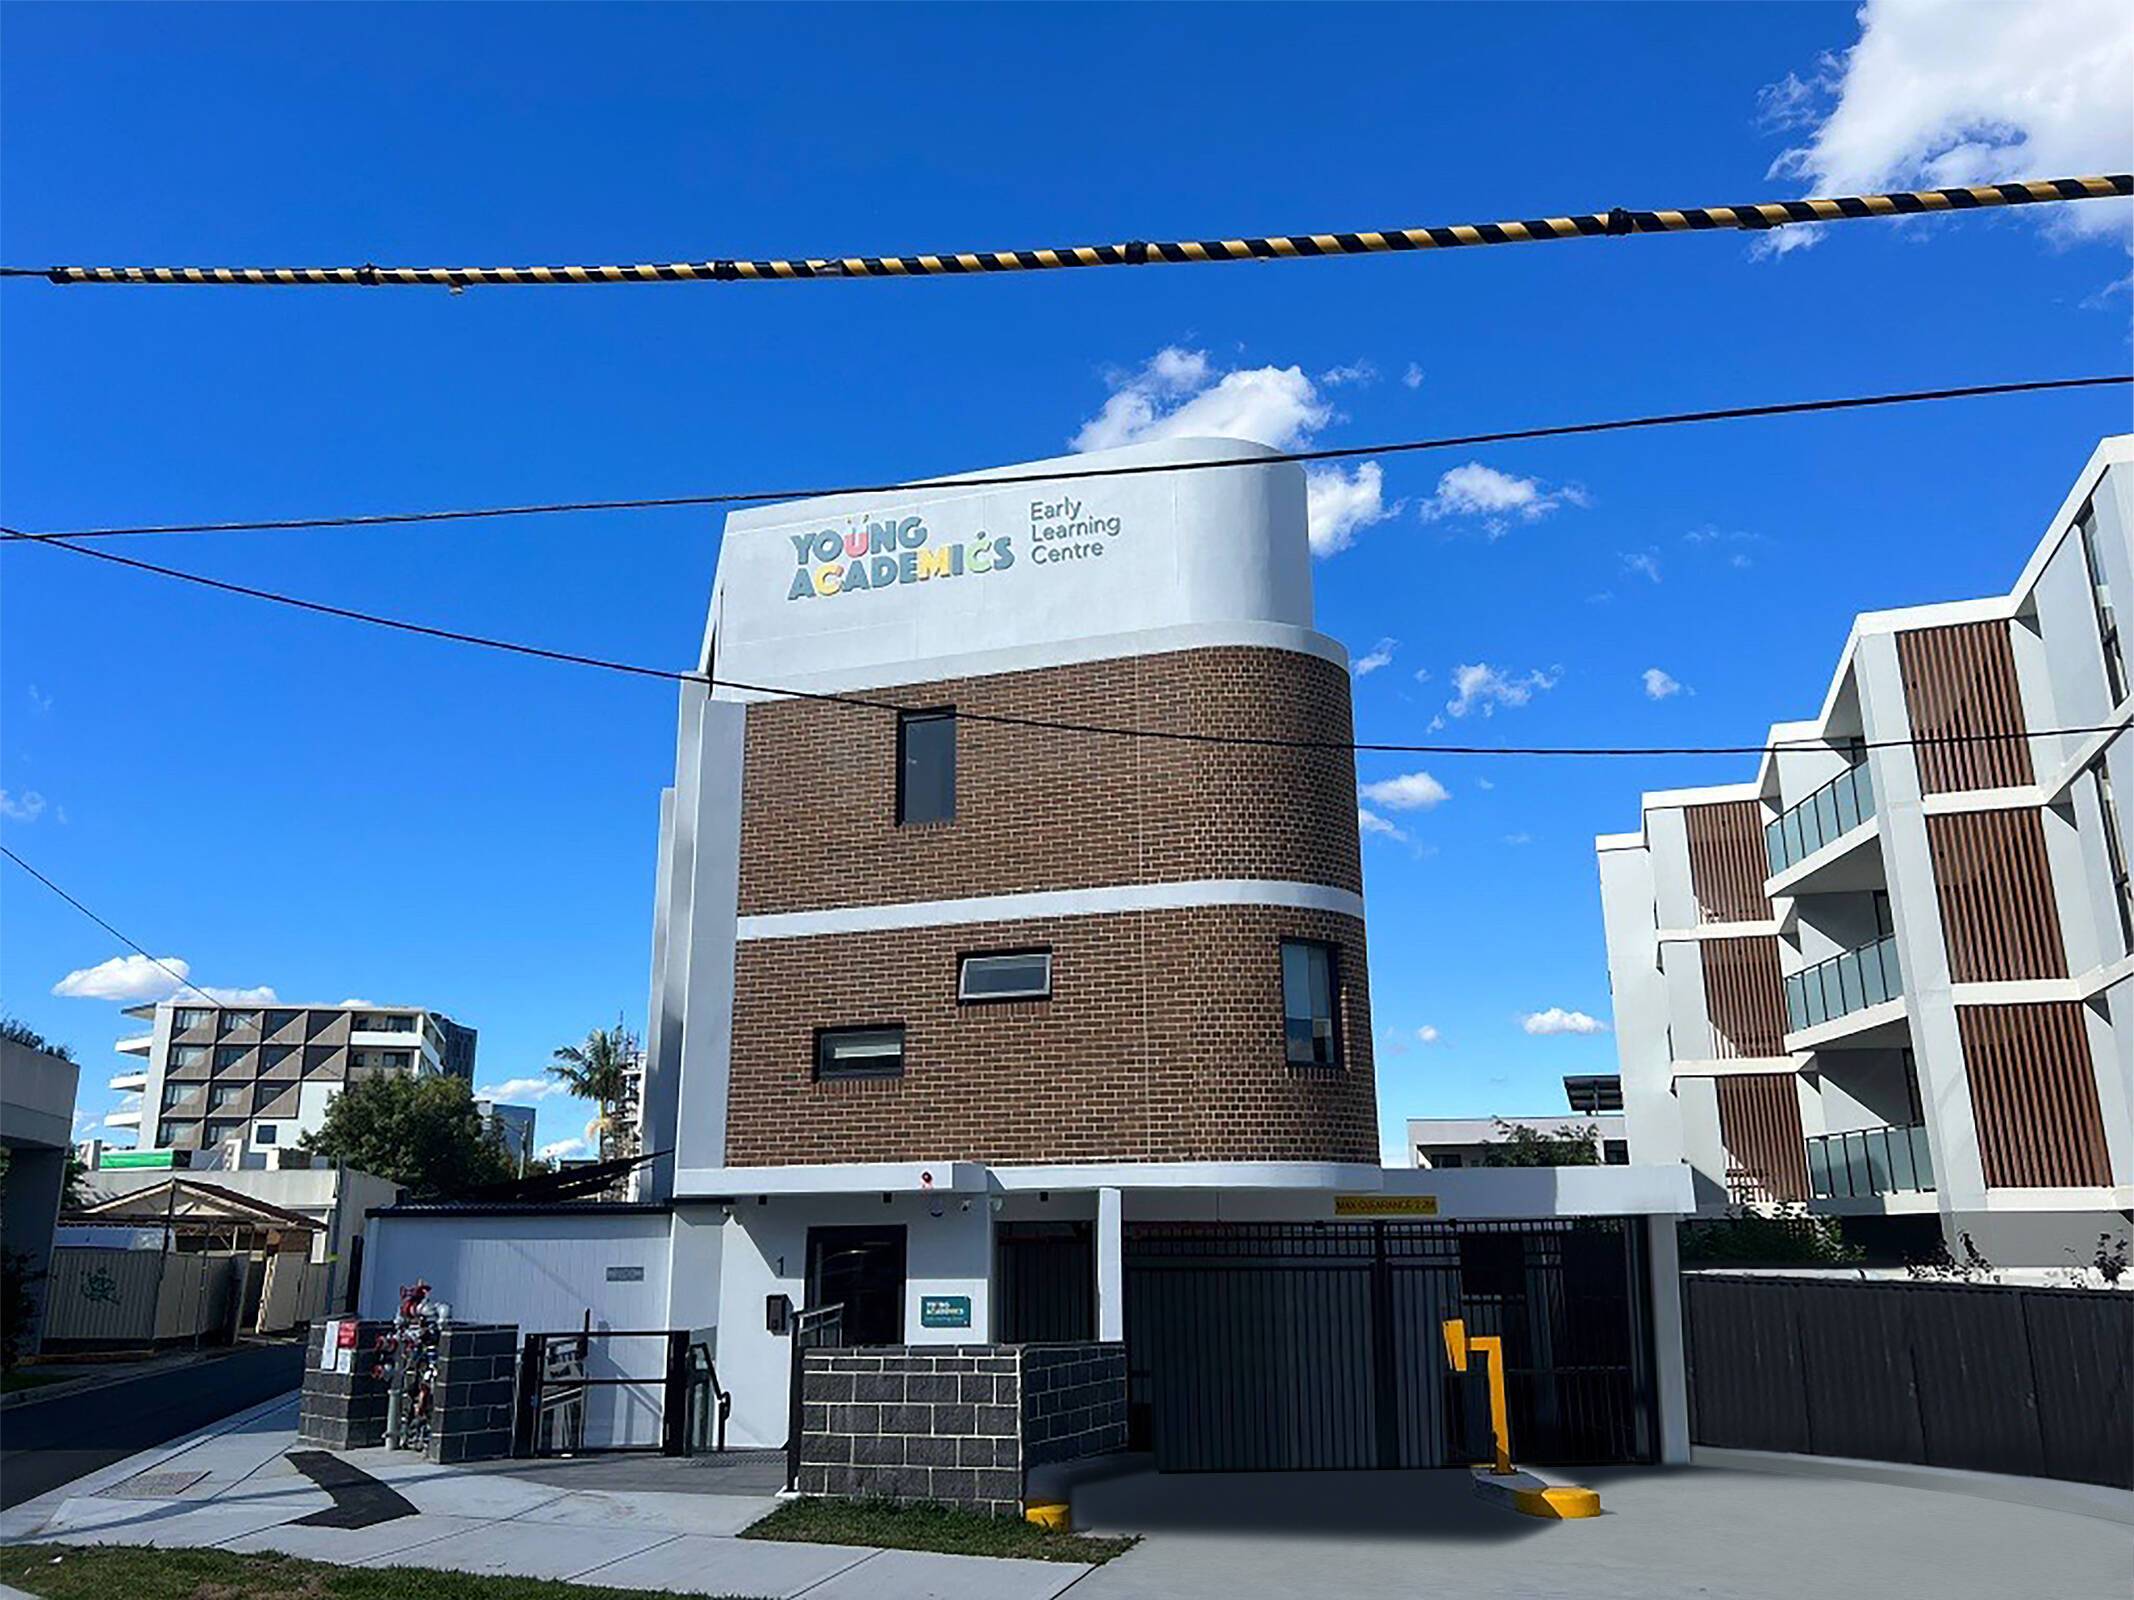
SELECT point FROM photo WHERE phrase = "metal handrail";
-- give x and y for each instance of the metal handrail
(1830, 812)
(704, 1384)
(1844, 983)
(812, 1328)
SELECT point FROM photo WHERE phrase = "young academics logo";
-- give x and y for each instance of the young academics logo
(875, 555)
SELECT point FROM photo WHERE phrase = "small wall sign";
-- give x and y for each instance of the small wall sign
(626, 1274)
(1385, 1205)
(944, 1311)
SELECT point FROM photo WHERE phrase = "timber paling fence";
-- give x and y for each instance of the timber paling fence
(2037, 1382)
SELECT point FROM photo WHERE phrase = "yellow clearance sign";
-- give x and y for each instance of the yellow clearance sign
(1385, 1205)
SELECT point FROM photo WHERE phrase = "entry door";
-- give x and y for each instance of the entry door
(1044, 1282)
(861, 1269)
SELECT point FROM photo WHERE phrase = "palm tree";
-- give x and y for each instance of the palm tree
(600, 1070)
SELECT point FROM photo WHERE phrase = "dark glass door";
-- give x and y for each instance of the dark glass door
(861, 1269)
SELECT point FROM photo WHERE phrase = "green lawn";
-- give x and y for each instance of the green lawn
(98, 1572)
(949, 1530)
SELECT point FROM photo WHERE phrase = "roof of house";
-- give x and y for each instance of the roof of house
(189, 1200)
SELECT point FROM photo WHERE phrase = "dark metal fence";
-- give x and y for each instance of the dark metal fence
(813, 1328)
(601, 1391)
(1045, 1289)
(1319, 1346)
(1990, 1378)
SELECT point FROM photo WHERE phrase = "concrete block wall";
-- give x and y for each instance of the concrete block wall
(343, 1410)
(474, 1398)
(1073, 1401)
(956, 1424)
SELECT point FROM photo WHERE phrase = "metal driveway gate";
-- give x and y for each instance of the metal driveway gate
(1299, 1346)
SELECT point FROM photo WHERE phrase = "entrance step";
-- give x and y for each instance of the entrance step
(1534, 1494)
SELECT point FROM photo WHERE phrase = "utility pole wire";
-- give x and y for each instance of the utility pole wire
(1618, 222)
(175, 976)
(994, 480)
(1004, 719)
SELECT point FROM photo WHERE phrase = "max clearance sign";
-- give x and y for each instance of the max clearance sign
(884, 552)
(1385, 1205)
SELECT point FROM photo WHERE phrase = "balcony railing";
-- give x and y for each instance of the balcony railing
(1840, 806)
(1869, 1161)
(1844, 983)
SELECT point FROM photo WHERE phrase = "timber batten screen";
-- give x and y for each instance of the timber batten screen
(1960, 685)
(1760, 1125)
(2034, 1095)
(1999, 918)
(1727, 861)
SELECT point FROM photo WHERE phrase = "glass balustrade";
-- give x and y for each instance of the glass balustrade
(1837, 808)
(1844, 983)
(1869, 1161)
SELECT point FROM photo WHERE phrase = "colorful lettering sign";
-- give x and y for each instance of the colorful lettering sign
(944, 1311)
(881, 554)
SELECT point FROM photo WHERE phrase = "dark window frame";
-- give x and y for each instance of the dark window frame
(906, 720)
(966, 956)
(1337, 1043)
(858, 1074)
(2115, 854)
(2101, 606)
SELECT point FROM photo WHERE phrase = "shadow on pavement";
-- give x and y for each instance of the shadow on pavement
(1424, 1506)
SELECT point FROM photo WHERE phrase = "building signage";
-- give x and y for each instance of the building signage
(118, 1160)
(882, 552)
(626, 1274)
(1385, 1205)
(944, 1311)
(337, 1353)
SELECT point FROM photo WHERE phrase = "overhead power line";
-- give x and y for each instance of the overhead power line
(1006, 719)
(1787, 408)
(175, 976)
(1618, 222)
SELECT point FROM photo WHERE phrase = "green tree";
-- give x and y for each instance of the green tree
(1521, 1146)
(20, 1032)
(601, 1070)
(422, 1132)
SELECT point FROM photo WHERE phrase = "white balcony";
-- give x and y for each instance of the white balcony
(130, 1118)
(133, 1081)
(139, 1045)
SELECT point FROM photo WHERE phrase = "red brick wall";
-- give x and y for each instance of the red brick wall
(1162, 1042)
(1042, 809)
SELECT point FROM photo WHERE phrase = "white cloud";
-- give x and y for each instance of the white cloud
(516, 1091)
(1485, 783)
(124, 978)
(1558, 1020)
(1179, 394)
(1413, 377)
(27, 806)
(357, 1000)
(562, 1148)
(1426, 1034)
(1351, 372)
(1410, 791)
(40, 702)
(1518, 838)
(1379, 655)
(1338, 502)
(1478, 686)
(1475, 490)
(1661, 684)
(1938, 95)
(1369, 821)
(1646, 563)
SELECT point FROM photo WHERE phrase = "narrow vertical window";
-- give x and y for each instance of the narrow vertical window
(1309, 1028)
(2115, 667)
(926, 766)
(2115, 853)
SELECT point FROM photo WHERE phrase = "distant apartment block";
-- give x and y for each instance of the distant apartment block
(259, 1077)
(1889, 976)
(513, 1127)
(1442, 1143)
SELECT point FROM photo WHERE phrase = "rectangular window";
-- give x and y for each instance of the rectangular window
(186, 1018)
(860, 1052)
(278, 1020)
(2115, 669)
(187, 1055)
(239, 1022)
(224, 1093)
(216, 1132)
(1615, 1152)
(173, 1093)
(171, 1135)
(1308, 984)
(926, 766)
(2115, 853)
(276, 1055)
(229, 1055)
(263, 1133)
(1022, 975)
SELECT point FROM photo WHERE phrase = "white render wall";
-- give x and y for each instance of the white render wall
(2060, 674)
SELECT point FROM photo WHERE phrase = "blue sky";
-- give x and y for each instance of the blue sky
(287, 801)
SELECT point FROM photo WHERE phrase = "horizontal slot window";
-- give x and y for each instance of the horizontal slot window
(859, 1053)
(1022, 975)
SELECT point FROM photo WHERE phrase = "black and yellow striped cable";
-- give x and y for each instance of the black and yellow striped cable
(1280, 247)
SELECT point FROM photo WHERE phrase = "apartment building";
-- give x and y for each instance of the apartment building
(1887, 978)
(250, 1080)
(975, 1027)
(1596, 1118)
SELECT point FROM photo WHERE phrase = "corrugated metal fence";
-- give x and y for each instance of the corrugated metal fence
(2029, 1381)
(129, 1298)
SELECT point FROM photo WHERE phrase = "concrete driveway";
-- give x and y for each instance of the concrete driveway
(1728, 1535)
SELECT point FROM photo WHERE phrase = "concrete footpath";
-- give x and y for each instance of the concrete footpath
(234, 1487)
